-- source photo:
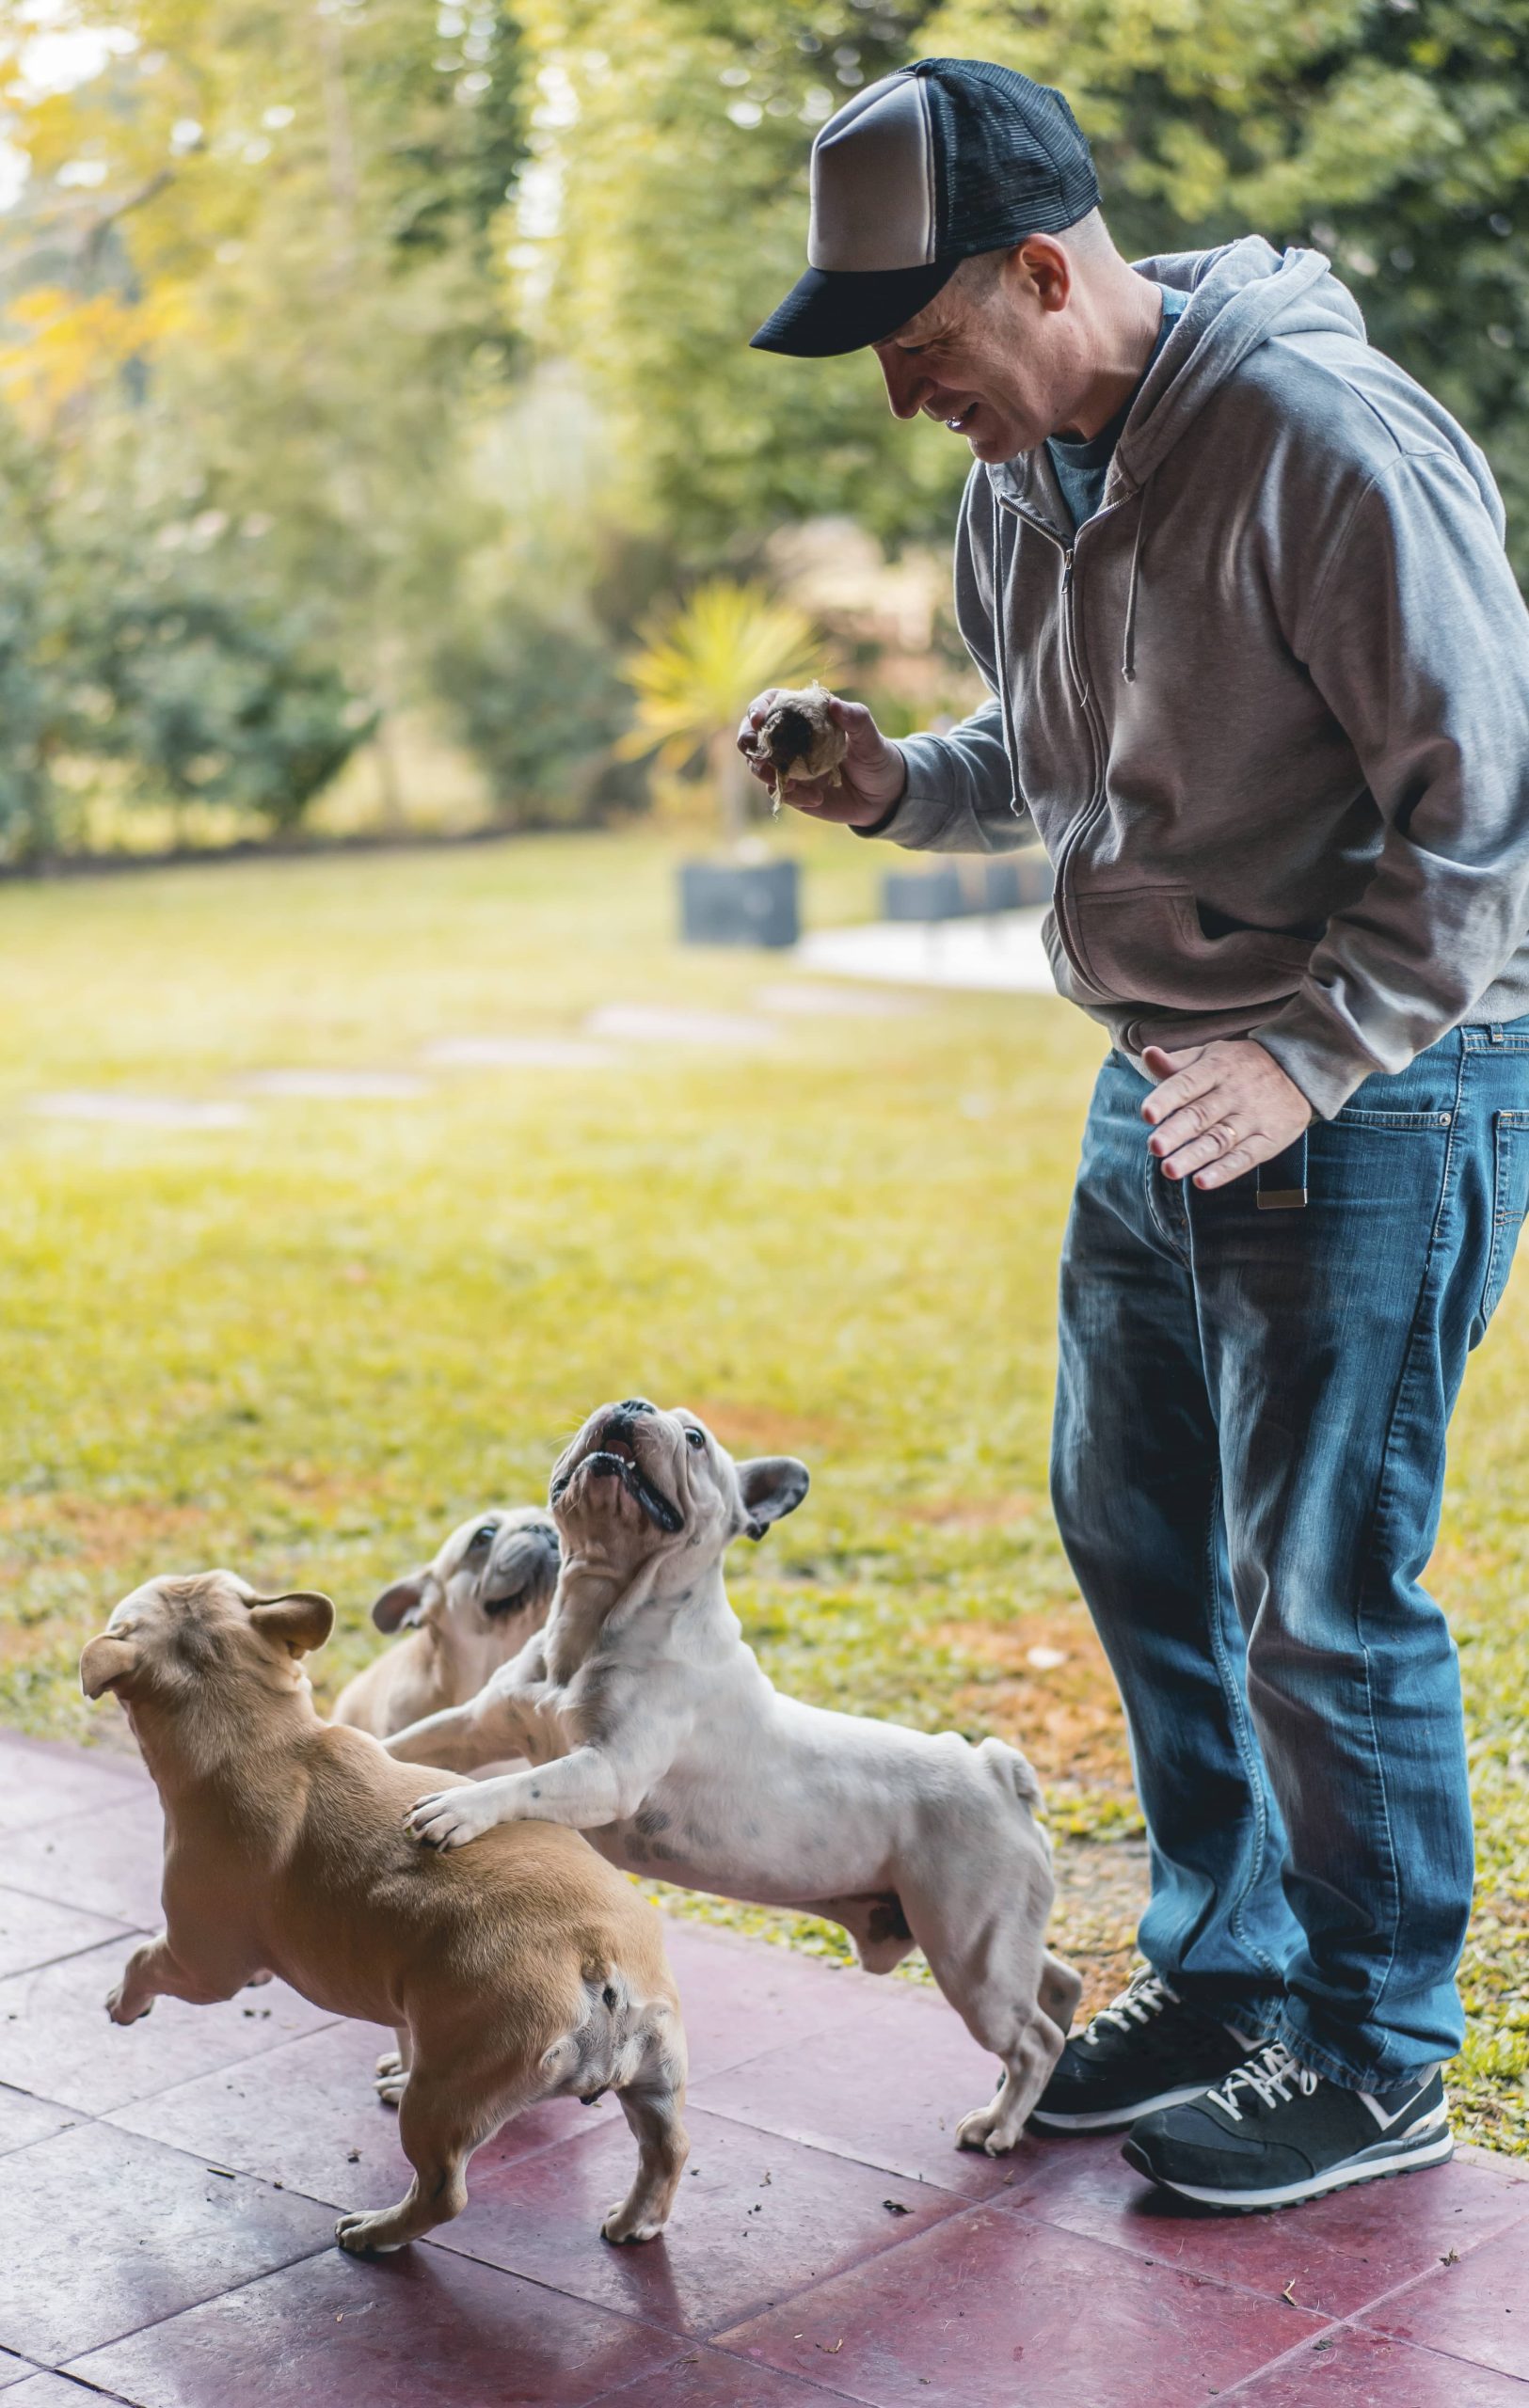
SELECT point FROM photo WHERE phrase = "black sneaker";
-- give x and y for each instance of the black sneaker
(1274, 2134)
(1147, 2050)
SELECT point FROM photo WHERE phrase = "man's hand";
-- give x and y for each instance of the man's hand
(1221, 1110)
(872, 772)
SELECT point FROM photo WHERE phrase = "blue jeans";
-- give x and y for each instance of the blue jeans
(1248, 1465)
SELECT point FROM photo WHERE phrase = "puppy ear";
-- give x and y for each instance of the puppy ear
(523, 1570)
(400, 1606)
(106, 1664)
(772, 1486)
(299, 1620)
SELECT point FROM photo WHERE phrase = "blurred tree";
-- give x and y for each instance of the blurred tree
(670, 211)
(209, 700)
(147, 645)
(281, 267)
(1394, 136)
(663, 217)
(35, 703)
(537, 702)
(696, 671)
(263, 240)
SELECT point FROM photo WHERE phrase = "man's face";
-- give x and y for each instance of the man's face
(993, 356)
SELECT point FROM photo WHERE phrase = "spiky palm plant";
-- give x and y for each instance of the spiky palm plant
(699, 667)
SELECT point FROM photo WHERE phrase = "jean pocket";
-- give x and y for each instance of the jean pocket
(1510, 1201)
(1354, 1116)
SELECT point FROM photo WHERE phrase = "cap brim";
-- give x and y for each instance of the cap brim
(828, 311)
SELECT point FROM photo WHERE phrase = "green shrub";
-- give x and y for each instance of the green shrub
(539, 704)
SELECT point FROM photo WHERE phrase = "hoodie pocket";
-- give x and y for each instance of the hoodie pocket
(1146, 945)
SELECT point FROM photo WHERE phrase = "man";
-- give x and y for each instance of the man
(1259, 680)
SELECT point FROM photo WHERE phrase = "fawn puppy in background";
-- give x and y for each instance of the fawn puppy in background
(466, 1613)
(651, 1725)
(528, 1971)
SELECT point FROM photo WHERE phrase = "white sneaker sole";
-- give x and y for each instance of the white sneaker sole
(1338, 2177)
(1119, 2119)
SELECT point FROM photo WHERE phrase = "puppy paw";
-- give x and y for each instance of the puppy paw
(391, 2078)
(123, 2009)
(990, 2129)
(626, 2223)
(369, 2236)
(450, 1818)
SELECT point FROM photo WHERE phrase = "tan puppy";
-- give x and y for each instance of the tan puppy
(526, 1970)
(466, 1612)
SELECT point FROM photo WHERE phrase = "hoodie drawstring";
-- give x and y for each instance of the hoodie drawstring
(1132, 586)
(1016, 801)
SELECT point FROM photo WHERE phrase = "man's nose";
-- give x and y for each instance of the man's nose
(906, 383)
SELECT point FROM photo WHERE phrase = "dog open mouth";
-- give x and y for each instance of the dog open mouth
(616, 1459)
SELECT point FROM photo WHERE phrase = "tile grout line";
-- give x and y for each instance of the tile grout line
(703, 2337)
(151, 2324)
(1242, 2289)
(1353, 2323)
(827, 2149)
(808, 2383)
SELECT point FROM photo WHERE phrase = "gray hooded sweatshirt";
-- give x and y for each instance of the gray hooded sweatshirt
(1268, 709)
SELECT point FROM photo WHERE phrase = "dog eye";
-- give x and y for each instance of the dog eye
(481, 1537)
(696, 1437)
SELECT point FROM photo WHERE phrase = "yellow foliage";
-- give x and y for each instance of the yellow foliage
(64, 343)
(700, 665)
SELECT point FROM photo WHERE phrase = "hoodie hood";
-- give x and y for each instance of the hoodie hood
(1240, 295)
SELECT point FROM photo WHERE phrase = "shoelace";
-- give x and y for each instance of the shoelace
(1269, 2074)
(1146, 1995)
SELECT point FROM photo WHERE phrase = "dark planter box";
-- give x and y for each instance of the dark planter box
(739, 903)
(1020, 882)
(922, 895)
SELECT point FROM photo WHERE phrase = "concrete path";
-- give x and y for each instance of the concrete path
(1002, 953)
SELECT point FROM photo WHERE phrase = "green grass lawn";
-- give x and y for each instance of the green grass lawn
(306, 1346)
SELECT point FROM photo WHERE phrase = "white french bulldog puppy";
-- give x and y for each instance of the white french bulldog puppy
(466, 1613)
(651, 1727)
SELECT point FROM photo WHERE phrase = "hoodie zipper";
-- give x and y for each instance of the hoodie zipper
(1072, 656)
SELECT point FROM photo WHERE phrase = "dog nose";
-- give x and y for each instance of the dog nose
(635, 1404)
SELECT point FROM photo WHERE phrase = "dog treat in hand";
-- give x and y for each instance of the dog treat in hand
(800, 738)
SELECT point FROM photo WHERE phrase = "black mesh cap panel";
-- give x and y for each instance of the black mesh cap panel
(1009, 157)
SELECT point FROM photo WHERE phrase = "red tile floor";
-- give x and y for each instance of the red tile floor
(167, 2193)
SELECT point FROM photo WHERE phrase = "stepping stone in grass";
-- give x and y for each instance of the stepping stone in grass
(138, 1111)
(674, 1025)
(517, 1054)
(336, 1086)
(801, 997)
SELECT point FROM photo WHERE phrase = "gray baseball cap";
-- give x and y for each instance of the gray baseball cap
(918, 172)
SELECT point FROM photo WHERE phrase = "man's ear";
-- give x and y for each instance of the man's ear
(772, 1486)
(400, 1606)
(299, 1620)
(106, 1664)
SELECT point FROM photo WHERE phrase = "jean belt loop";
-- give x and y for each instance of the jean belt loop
(1281, 1183)
(1494, 1028)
